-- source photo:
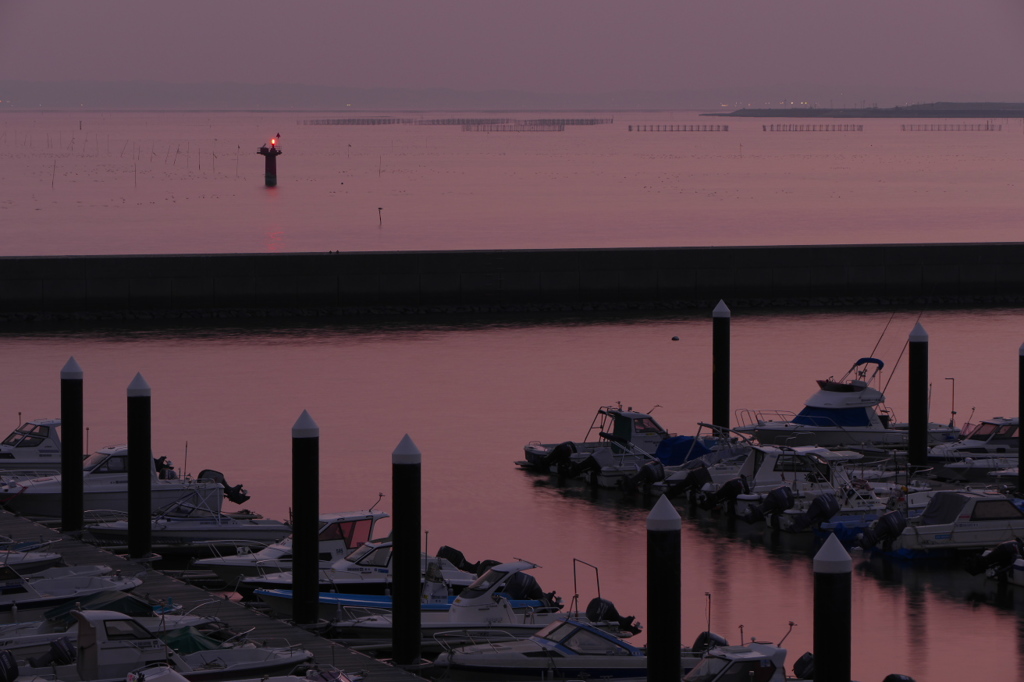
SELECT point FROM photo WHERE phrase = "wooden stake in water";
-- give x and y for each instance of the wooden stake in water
(54, 176)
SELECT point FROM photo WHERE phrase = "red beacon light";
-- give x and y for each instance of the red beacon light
(273, 142)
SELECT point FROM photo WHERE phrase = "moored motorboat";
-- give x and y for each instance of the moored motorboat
(991, 446)
(105, 487)
(162, 672)
(365, 570)
(110, 645)
(339, 534)
(953, 520)
(21, 597)
(189, 526)
(490, 604)
(844, 412)
(615, 432)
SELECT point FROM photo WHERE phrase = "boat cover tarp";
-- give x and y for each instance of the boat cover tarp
(112, 600)
(823, 416)
(678, 449)
(188, 640)
(944, 507)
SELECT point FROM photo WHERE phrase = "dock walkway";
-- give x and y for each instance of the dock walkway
(158, 586)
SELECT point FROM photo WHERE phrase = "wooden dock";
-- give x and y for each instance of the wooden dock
(158, 586)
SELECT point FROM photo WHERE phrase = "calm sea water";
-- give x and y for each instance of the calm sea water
(471, 393)
(94, 183)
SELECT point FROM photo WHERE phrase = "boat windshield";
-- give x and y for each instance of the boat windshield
(556, 631)
(484, 583)
(370, 555)
(724, 670)
(989, 431)
(588, 643)
(28, 436)
(103, 463)
(352, 533)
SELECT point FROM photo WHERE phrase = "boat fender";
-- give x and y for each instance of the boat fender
(707, 640)
(599, 610)
(695, 480)
(803, 667)
(8, 666)
(886, 529)
(822, 508)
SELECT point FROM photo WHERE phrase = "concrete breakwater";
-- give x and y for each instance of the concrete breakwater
(246, 285)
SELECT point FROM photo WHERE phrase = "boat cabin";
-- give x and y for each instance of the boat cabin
(624, 427)
(753, 663)
(950, 507)
(574, 638)
(999, 435)
(812, 464)
(111, 644)
(37, 438)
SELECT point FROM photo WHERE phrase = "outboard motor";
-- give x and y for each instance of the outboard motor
(236, 494)
(603, 610)
(585, 465)
(649, 473)
(458, 560)
(560, 455)
(726, 493)
(525, 586)
(886, 529)
(62, 652)
(999, 559)
(803, 667)
(707, 639)
(822, 508)
(695, 480)
(8, 666)
(776, 501)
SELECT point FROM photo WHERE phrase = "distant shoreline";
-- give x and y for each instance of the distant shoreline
(933, 110)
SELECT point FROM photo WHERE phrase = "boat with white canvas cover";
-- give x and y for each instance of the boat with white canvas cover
(845, 412)
(953, 521)
(105, 487)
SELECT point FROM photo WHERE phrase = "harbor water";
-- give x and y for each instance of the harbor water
(471, 392)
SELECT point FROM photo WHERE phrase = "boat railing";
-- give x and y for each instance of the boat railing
(748, 418)
(13, 476)
(449, 640)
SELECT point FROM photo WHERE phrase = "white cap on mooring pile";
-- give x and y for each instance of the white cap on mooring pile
(139, 388)
(305, 427)
(406, 452)
(833, 557)
(71, 369)
(721, 310)
(663, 516)
(918, 334)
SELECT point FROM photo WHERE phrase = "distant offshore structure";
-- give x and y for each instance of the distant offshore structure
(933, 110)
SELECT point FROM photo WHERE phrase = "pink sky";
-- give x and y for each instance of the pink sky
(862, 50)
